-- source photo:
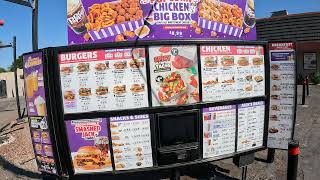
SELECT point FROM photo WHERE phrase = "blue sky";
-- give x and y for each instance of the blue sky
(53, 26)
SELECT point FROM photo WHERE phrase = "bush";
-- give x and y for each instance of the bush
(315, 78)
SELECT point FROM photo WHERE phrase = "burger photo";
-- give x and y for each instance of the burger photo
(83, 67)
(257, 61)
(68, 96)
(85, 91)
(211, 62)
(227, 61)
(275, 97)
(101, 66)
(101, 90)
(136, 64)
(119, 89)
(275, 77)
(243, 61)
(137, 88)
(258, 78)
(274, 66)
(66, 70)
(90, 158)
(274, 118)
(120, 65)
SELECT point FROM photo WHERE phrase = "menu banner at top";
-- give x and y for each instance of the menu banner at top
(281, 46)
(96, 21)
(34, 84)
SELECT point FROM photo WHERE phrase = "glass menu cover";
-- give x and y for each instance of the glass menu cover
(174, 75)
(42, 145)
(131, 141)
(232, 72)
(89, 145)
(103, 80)
(282, 94)
(219, 130)
(34, 84)
(250, 125)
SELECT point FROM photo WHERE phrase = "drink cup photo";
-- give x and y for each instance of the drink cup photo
(29, 88)
(35, 81)
(76, 16)
(40, 106)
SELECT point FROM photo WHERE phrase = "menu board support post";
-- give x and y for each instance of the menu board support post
(175, 174)
(271, 154)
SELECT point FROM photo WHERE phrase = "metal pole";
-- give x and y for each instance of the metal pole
(14, 47)
(35, 25)
(270, 156)
(304, 92)
(293, 158)
(175, 174)
(307, 82)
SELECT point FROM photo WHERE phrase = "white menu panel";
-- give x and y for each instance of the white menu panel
(250, 125)
(219, 130)
(131, 141)
(282, 96)
(103, 80)
(232, 72)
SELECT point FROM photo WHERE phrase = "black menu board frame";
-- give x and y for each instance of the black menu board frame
(57, 111)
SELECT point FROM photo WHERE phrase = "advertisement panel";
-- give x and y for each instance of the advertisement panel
(174, 75)
(34, 84)
(89, 145)
(94, 21)
(219, 130)
(232, 72)
(310, 61)
(131, 141)
(42, 145)
(103, 80)
(250, 125)
(282, 94)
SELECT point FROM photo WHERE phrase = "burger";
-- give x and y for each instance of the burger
(66, 70)
(227, 61)
(120, 65)
(258, 78)
(275, 77)
(210, 62)
(101, 66)
(136, 64)
(68, 95)
(273, 130)
(137, 88)
(243, 61)
(257, 61)
(276, 88)
(274, 118)
(101, 90)
(275, 97)
(85, 91)
(83, 67)
(275, 66)
(119, 89)
(90, 158)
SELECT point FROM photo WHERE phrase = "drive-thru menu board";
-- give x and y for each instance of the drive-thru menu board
(41, 141)
(282, 94)
(219, 130)
(232, 72)
(174, 75)
(250, 125)
(89, 145)
(131, 141)
(103, 80)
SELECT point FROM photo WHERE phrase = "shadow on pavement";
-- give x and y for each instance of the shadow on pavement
(6, 165)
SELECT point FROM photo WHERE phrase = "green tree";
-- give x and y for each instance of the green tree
(19, 64)
(2, 70)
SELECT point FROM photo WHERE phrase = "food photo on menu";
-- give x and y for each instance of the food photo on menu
(174, 75)
(108, 79)
(89, 145)
(231, 72)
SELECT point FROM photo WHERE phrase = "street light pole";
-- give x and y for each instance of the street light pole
(14, 47)
(35, 25)
(34, 7)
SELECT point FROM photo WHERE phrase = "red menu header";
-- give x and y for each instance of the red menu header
(281, 46)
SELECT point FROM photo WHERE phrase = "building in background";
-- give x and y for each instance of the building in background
(7, 85)
(303, 29)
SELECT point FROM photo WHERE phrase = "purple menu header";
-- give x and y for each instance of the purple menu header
(96, 21)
